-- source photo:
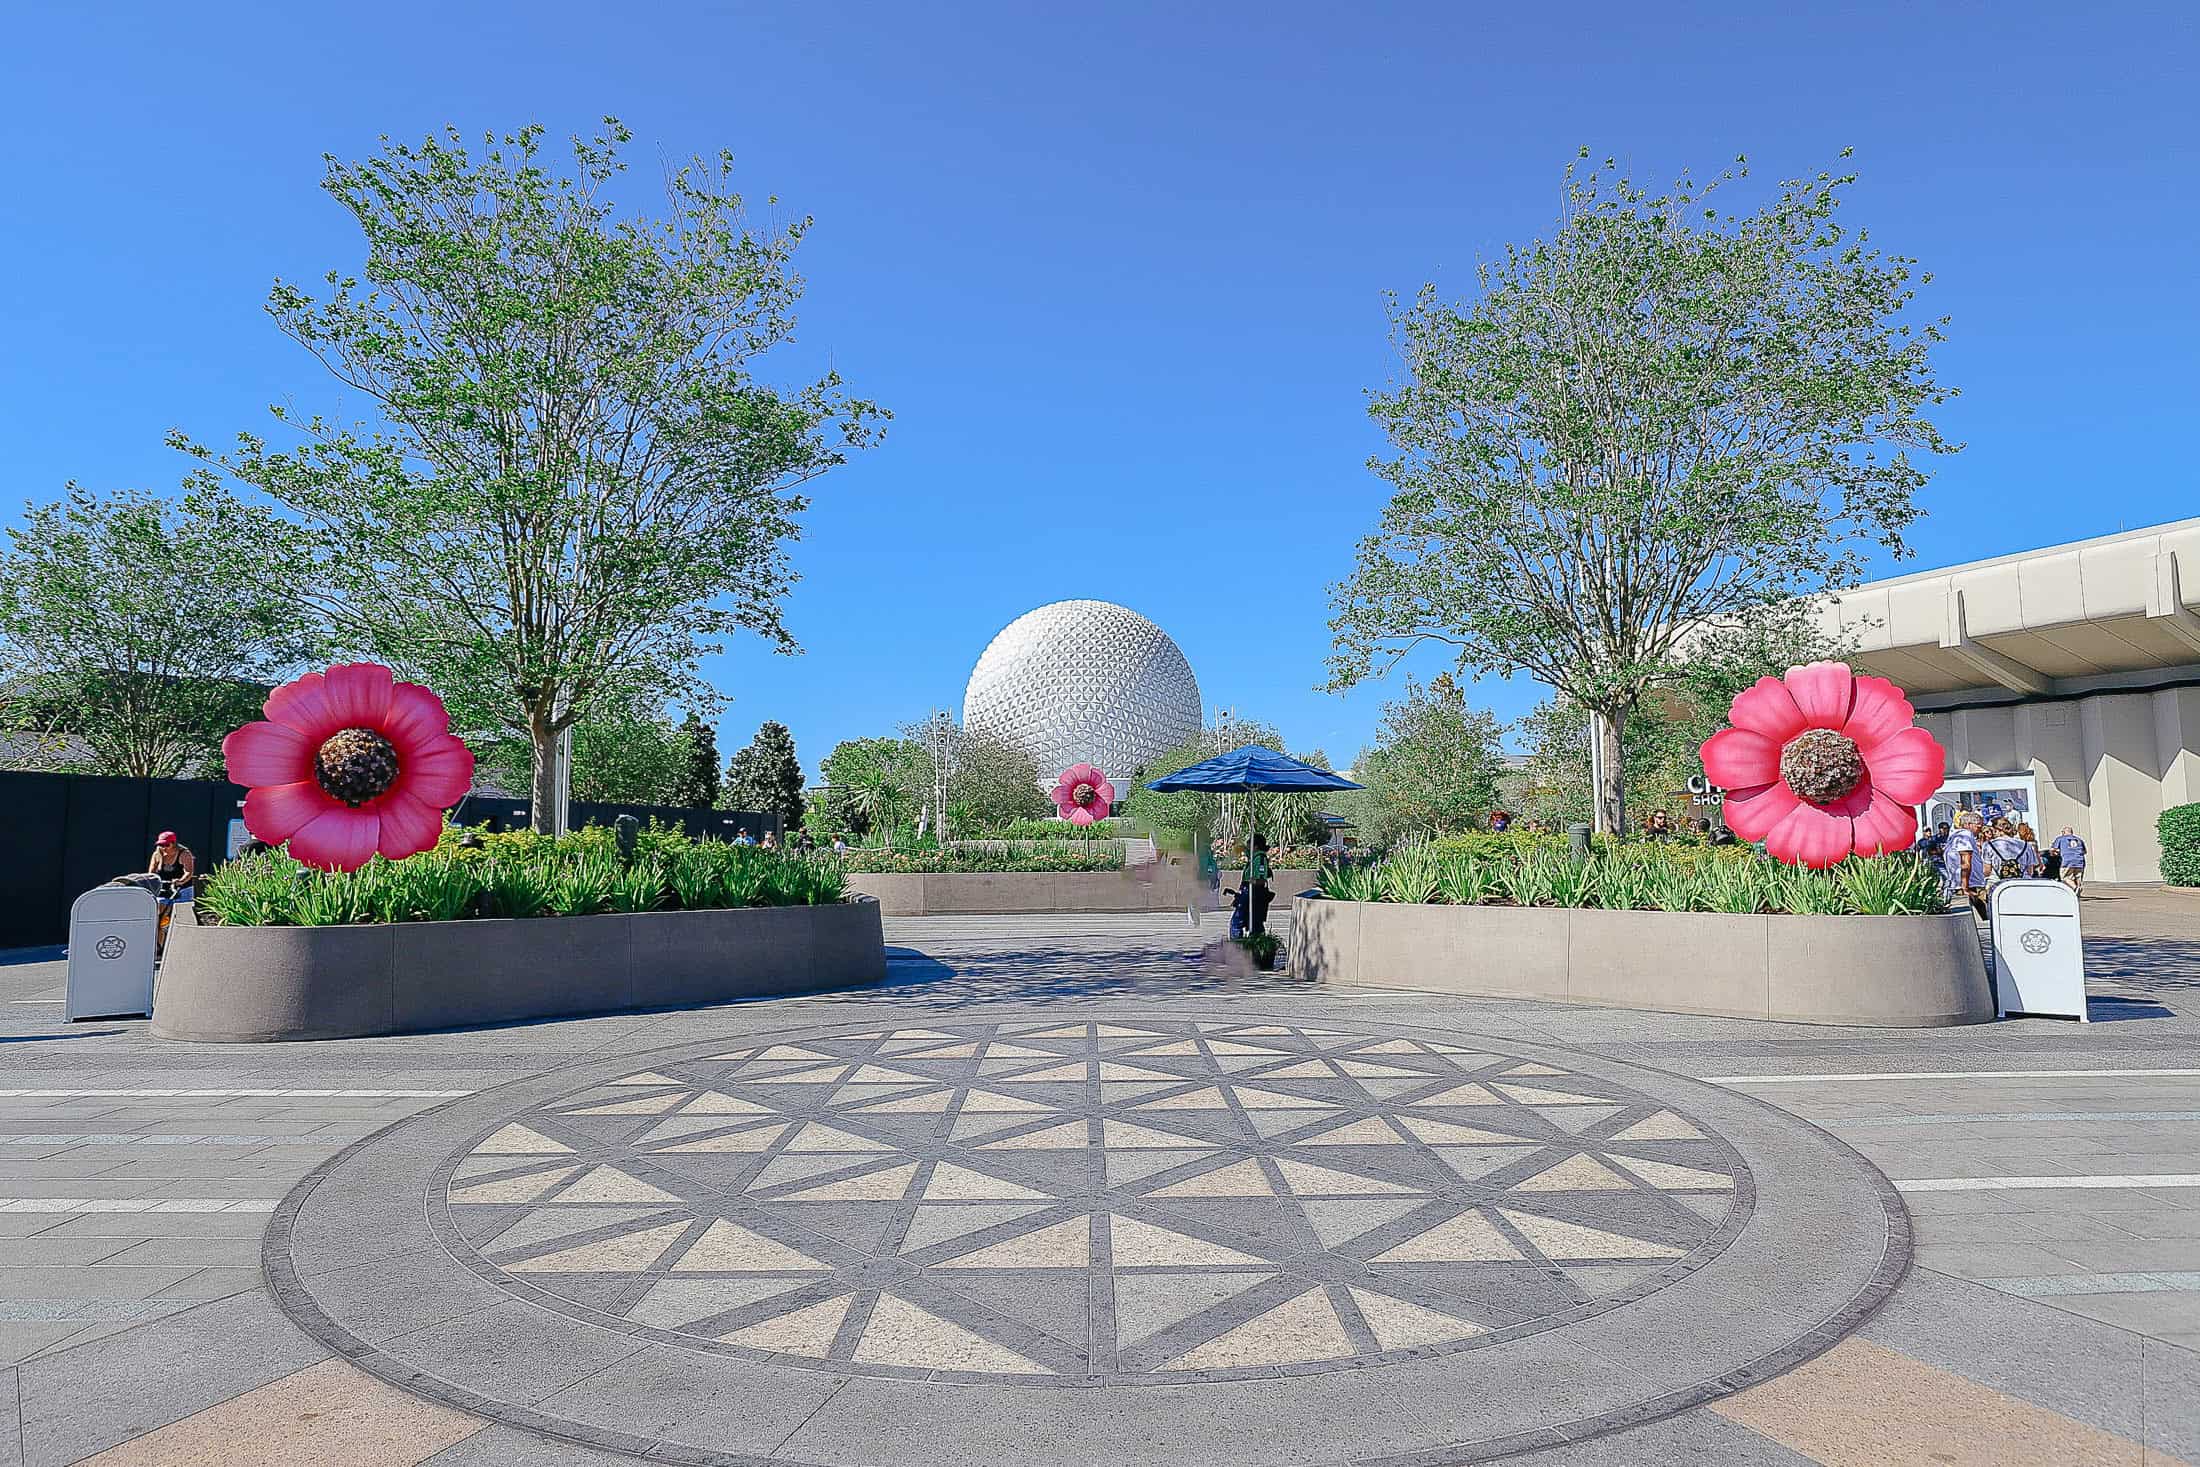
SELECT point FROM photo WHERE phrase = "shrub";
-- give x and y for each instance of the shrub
(2179, 828)
(992, 856)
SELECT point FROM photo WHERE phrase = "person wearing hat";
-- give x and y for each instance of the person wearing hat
(177, 869)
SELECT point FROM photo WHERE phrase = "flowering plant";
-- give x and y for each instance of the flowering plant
(1083, 794)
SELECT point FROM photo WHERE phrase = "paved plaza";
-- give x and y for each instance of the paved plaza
(1058, 1194)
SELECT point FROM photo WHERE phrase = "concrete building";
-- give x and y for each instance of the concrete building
(2064, 682)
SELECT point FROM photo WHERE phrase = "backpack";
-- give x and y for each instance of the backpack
(2008, 857)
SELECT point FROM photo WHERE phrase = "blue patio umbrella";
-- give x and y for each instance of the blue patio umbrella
(1250, 770)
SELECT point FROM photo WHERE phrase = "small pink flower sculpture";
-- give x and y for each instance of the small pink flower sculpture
(1083, 794)
(1823, 763)
(350, 763)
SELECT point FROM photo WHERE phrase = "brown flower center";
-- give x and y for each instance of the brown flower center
(355, 765)
(1082, 794)
(1821, 766)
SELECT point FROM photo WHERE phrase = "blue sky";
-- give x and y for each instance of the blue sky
(1120, 271)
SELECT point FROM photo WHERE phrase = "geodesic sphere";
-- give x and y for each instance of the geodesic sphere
(1085, 681)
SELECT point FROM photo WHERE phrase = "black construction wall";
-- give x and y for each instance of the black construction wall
(67, 833)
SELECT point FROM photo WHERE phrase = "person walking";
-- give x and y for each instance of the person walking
(1963, 864)
(2072, 850)
(2035, 863)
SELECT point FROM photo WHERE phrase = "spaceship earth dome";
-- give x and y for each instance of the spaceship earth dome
(1085, 681)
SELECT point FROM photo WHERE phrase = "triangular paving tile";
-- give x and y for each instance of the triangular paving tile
(1123, 1134)
(672, 1128)
(792, 1052)
(899, 1333)
(513, 1189)
(1177, 1047)
(826, 1075)
(945, 1051)
(1135, 1244)
(630, 1253)
(1467, 1238)
(1339, 1222)
(648, 1105)
(951, 1183)
(475, 1165)
(808, 1332)
(1530, 1095)
(1305, 1328)
(548, 1224)
(1276, 1122)
(1066, 1244)
(934, 1103)
(1392, 1046)
(1565, 1242)
(1532, 1069)
(1357, 1068)
(1114, 1092)
(1056, 1074)
(1243, 1179)
(1236, 1062)
(517, 1140)
(994, 1102)
(1574, 1119)
(880, 1075)
(999, 1050)
(727, 1247)
(1398, 1325)
(1147, 1304)
(864, 1226)
(1386, 1089)
(609, 1184)
(1256, 1099)
(1369, 1131)
(985, 1123)
(852, 1096)
(1577, 1173)
(818, 1137)
(1207, 1099)
(1598, 1279)
(901, 1034)
(1124, 1167)
(1056, 1302)
(1053, 1138)
(1060, 1031)
(1308, 1180)
(783, 1171)
(648, 1077)
(1473, 1163)
(1714, 1208)
(1664, 1126)
(757, 1139)
(715, 1103)
(1469, 1094)
(676, 1302)
(870, 1187)
(1118, 1031)
(738, 1054)
(938, 1224)
(1232, 1046)
(1667, 1177)
(1448, 1133)
(1442, 1048)
(1305, 1070)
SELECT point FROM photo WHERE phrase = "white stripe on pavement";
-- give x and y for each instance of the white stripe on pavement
(2042, 1184)
(1942, 1075)
(138, 1204)
(291, 1094)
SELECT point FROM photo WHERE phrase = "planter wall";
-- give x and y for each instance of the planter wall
(240, 984)
(1163, 886)
(1895, 972)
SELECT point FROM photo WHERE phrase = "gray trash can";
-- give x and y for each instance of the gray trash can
(114, 933)
(2039, 957)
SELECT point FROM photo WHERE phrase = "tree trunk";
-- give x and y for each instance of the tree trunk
(1607, 797)
(551, 784)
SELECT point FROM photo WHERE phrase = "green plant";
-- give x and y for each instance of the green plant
(1807, 893)
(1527, 882)
(1461, 879)
(1261, 947)
(2179, 829)
(516, 888)
(639, 887)
(1412, 875)
(1352, 883)
(1889, 886)
(1575, 883)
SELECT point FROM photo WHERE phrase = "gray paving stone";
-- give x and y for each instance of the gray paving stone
(93, 1396)
(1691, 1439)
(2170, 1404)
(507, 1446)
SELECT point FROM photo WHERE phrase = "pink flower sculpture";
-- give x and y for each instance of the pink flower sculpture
(350, 763)
(1083, 794)
(1823, 763)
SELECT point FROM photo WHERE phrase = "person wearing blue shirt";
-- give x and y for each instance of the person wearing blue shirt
(2072, 850)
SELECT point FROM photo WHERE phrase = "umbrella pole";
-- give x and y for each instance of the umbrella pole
(1252, 908)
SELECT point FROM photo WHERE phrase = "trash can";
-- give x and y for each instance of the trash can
(2039, 958)
(114, 932)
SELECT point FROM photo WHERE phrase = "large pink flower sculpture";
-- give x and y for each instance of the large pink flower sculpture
(350, 763)
(1083, 794)
(1823, 763)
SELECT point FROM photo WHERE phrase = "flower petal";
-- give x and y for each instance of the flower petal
(1809, 836)
(1767, 709)
(1885, 826)
(275, 812)
(409, 825)
(1103, 793)
(359, 693)
(303, 704)
(268, 753)
(1751, 813)
(416, 717)
(1908, 767)
(1080, 815)
(1878, 713)
(1823, 692)
(338, 839)
(438, 774)
(1737, 758)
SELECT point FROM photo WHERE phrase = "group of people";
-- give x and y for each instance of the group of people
(1975, 853)
(801, 843)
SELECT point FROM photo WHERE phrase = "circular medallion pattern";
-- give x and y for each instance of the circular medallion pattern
(1110, 1202)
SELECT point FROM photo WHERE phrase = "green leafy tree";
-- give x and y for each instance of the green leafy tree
(578, 483)
(699, 784)
(625, 752)
(1222, 817)
(874, 787)
(766, 776)
(1433, 769)
(144, 625)
(1657, 419)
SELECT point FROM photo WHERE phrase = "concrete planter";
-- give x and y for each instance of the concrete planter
(1893, 972)
(239, 984)
(1164, 886)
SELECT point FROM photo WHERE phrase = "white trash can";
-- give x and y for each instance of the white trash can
(114, 933)
(2039, 957)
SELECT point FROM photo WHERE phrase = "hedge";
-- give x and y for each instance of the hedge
(2179, 828)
